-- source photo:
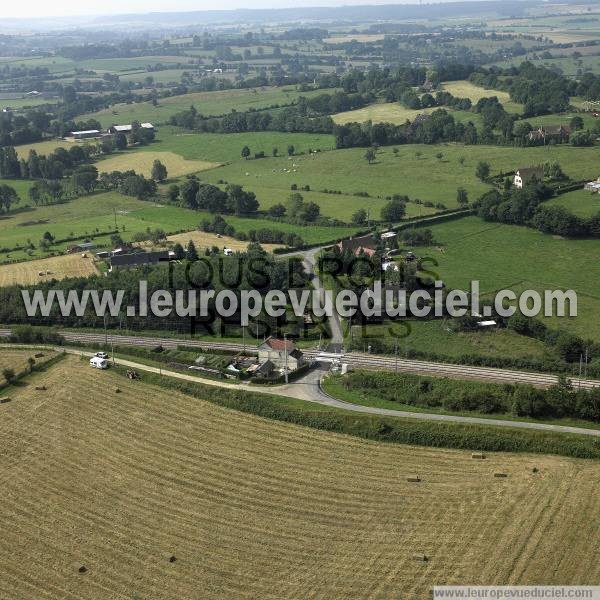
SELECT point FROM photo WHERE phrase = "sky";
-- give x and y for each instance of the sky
(71, 8)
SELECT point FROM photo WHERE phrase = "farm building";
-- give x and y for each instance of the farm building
(366, 243)
(279, 352)
(525, 175)
(83, 247)
(550, 133)
(88, 133)
(128, 128)
(593, 186)
(138, 259)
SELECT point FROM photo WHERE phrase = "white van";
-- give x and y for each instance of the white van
(227, 251)
(98, 363)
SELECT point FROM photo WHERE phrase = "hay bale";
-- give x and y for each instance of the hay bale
(170, 557)
(500, 474)
(420, 557)
(413, 479)
(40, 388)
(535, 470)
(81, 568)
(117, 390)
(479, 455)
(38, 355)
(4, 400)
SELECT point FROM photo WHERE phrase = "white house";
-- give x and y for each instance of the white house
(527, 174)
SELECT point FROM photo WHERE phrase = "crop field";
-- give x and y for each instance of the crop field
(332, 516)
(415, 171)
(466, 89)
(206, 103)
(17, 359)
(141, 162)
(202, 240)
(55, 267)
(394, 112)
(580, 202)
(511, 257)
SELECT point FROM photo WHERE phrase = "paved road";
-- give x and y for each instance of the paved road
(354, 360)
(309, 388)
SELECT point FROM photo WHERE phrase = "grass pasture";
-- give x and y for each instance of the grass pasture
(580, 202)
(511, 257)
(55, 267)
(95, 215)
(420, 176)
(220, 148)
(206, 103)
(141, 162)
(332, 515)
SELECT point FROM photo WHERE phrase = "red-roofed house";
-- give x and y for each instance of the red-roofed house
(275, 350)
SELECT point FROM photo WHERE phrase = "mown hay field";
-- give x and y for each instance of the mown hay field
(466, 89)
(141, 163)
(16, 359)
(203, 239)
(45, 269)
(253, 508)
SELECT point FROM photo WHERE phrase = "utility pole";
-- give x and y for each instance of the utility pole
(580, 368)
(286, 356)
(396, 353)
(105, 332)
(243, 341)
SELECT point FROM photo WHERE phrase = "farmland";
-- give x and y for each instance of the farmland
(46, 269)
(96, 216)
(201, 493)
(206, 103)
(580, 202)
(466, 89)
(141, 162)
(415, 170)
(471, 249)
(202, 240)
(393, 112)
(220, 148)
(12, 358)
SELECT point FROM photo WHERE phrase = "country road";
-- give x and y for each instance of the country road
(309, 388)
(353, 359)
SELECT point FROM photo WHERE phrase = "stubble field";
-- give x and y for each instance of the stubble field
(252, 508)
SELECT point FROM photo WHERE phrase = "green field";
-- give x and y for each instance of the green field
(21, 186)
(216, 147)
(579, 202)
(423, 176)
(518, 258)
(206, 103)
(436, 337)
(96, 214)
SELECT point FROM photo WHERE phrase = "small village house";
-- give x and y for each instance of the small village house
(526, 175)
(278, 352)
(365, 243)
(128, 128)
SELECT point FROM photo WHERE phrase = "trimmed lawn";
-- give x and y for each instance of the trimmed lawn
(466, 89)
